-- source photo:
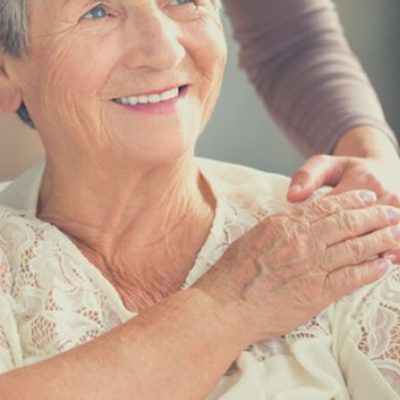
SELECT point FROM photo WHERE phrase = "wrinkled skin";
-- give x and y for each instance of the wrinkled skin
(299, 262)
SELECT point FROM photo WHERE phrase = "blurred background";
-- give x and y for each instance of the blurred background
(241, 131)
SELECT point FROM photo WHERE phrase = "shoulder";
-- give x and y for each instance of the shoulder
(254, 189)
(236, 174)
(19, 234)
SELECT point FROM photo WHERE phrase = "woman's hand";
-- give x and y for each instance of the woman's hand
(364, 159)
(293, 265)
(380, 175)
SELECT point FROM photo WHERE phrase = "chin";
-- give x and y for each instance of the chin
(160, 152)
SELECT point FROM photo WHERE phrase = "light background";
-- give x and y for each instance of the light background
(241, 131)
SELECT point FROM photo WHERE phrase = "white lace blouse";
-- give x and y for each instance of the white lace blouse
(52, 299)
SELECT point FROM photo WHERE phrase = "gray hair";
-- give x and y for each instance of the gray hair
(13, 36)
(13, 26)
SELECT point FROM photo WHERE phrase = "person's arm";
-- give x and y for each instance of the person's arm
(366, 142)
(177, 350)
(296, 55)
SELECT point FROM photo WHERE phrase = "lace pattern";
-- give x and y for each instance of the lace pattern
(377, 327)
(56, 306)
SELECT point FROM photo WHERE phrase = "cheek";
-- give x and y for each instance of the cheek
(78, 68)
(209, 49)
(209, 54)
(69, 79)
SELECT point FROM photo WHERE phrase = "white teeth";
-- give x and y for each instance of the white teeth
(170, 94)
(153, 98)
(140, 99)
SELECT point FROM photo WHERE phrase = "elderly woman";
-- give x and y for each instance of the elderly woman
(116, 277)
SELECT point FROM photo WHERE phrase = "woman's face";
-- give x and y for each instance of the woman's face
(135, 78)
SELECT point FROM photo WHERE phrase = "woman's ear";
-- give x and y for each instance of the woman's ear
(10, 95)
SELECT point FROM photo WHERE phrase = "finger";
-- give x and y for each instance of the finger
(342, 187)
(393, 255)
(384, 197)
(389, 199)
(347, 279)
(327, 206)
(351, 223)
(317, 171)
(357, 250)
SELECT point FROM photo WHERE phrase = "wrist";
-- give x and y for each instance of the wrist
(365, 142)
(219, 319)
(225, 310)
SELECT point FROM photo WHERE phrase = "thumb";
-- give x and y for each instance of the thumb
(317, 171)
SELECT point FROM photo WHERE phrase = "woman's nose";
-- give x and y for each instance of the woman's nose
(155, 42)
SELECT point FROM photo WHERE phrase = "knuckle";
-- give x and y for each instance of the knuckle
(322, 207)
(337, 285)
(348, 221)
(328, 259)
(354, 277)
(301, 174)
(357, 249)
(381, 213)
(298, 244)
(321, 158)
(351, 198)
(278, 223)
(351, 278)
(386, 237)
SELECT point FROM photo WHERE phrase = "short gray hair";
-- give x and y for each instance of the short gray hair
(14, 33)
(13, 37)
(13, 26)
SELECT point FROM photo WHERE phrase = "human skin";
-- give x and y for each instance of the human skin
(363, 158)
(132, 178)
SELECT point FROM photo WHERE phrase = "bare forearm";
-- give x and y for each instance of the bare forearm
(177, 350)
(365, 142)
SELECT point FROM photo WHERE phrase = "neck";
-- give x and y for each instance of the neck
(99, 207)
(141, 229)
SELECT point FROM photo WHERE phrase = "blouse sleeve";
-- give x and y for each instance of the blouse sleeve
(296, 55)
(10, 349)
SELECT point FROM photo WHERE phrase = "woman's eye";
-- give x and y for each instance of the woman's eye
(97, 12)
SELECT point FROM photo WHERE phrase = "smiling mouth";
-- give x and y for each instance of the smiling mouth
(153, 98)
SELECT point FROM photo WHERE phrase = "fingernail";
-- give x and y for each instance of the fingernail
(367, 197)
(382, 264)
(393, 216)
(296, 188)
(396, 232)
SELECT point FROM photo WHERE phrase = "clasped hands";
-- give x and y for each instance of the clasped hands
(294, 264)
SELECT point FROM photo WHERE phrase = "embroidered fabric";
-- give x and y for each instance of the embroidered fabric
(56, 305)
(377, 326)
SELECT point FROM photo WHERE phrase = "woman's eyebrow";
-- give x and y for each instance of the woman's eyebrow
(78, 3)
(67, 2)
